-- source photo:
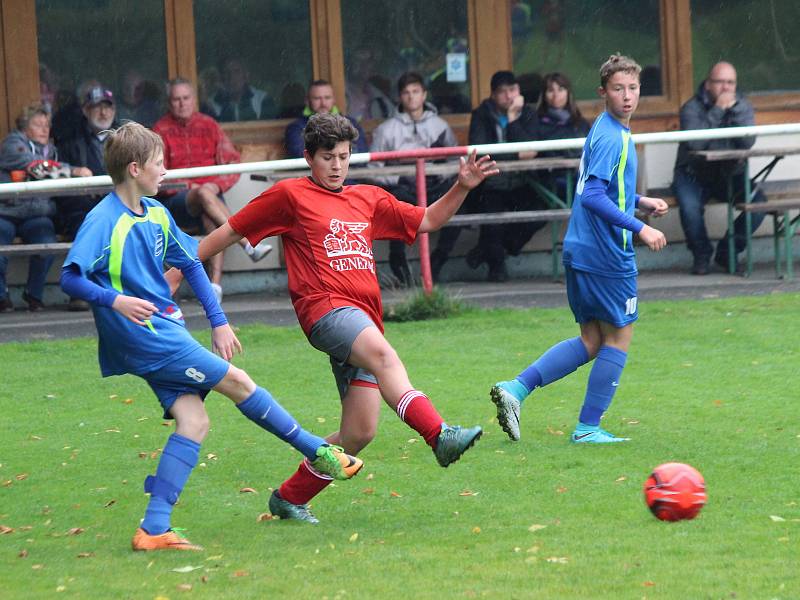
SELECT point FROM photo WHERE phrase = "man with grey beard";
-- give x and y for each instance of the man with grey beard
(85, 149)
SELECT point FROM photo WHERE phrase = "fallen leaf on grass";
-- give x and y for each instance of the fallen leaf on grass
(476, 529)
(184, 587)
(536, 527)
(128, 401)
(186, 569)
(776, 518)
(5, 529)
(264, 517)
(113, 396)
(648, 584)
(621, 478)
(353, 537)
(552, 431)
(35, 438)
(109, 503)
(394, 494)
(368, 491)
(21, 476)
(370, 476)
(247, 490)
(86, 555)
(37, 567)
(561, 560)
(23, 554)
(561, 489)
(240, 574)
(75, 531)
(468, 493)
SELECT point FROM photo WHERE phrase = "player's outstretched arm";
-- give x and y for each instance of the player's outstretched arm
(471, 173)
(214, 243)
(653, 206)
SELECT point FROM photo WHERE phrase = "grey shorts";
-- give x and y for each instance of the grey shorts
(334, 335)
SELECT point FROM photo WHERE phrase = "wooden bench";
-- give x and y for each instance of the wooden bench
(784, 226)
(554, 216)
(11, 250)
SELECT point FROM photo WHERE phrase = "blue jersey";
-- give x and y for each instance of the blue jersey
(592, 244)
(120, 250)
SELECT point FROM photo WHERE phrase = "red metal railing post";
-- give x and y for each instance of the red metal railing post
(424, 249)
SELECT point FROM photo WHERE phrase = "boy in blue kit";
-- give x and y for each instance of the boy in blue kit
(599, 262)
(116, 264)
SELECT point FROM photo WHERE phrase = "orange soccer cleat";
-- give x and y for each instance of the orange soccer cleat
(169, 540)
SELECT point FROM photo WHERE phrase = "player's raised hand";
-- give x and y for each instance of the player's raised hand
(134, 309)
(474, 170)
(224, 342)
(654, 239)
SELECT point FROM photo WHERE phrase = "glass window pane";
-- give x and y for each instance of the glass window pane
(574, 37)
(253, 58)
(760, 39)
(121, 45)
(385, 38)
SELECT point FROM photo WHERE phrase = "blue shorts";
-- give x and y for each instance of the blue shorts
(334, 335)
(195, 373)
(594, 297)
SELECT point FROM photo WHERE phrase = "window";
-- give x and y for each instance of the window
(574, 37)
(119, 45)
(383, 39)
(758, 38)
(253, 58)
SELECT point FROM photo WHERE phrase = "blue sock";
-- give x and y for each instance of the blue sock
(263, 410)
(557, 362)
(177, 461)
(603, 381)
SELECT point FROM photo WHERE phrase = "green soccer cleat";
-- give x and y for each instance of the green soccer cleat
(594, 435)
(453, 442)
(334, 462)
(508, 407)
(286, 510)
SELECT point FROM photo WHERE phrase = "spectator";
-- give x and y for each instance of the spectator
(320, 99)
(28, 149)
(716, 104)
(139, 101)
(192, 139)
(367, 92)
(85, 149)
(503, 117)
(237, 100)
(416, 125)
(559, 118)
(68, 113)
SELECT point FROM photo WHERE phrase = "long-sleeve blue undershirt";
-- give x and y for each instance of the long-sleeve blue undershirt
(595, 199)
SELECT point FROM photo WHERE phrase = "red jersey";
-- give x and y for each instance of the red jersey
(327, 240)
(198, 142)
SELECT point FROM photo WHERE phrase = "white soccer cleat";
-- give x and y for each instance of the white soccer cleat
(257, 252)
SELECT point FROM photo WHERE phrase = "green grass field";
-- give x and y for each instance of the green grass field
(711, 383)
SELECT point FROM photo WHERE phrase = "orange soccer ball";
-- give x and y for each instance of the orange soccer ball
(675, 491)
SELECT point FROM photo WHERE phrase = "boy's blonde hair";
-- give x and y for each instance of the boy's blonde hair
(617, 63)
(130, 143)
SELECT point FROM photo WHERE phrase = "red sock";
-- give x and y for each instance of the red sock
(303, 485)
(418, 413)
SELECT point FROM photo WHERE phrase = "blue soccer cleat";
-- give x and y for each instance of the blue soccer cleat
(508, 407)
(585, 434)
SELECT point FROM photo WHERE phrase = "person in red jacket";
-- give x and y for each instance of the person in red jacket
(192, 139)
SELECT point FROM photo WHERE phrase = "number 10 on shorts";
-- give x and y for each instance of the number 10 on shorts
(630, 305)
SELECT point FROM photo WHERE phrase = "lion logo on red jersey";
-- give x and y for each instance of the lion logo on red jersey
(345, 240)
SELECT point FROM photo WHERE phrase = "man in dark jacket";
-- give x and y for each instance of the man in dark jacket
(503, 117)
(716, 104)
(319, 99)
(85, 149)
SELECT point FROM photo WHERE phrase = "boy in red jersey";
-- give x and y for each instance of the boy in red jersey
(327, 230)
